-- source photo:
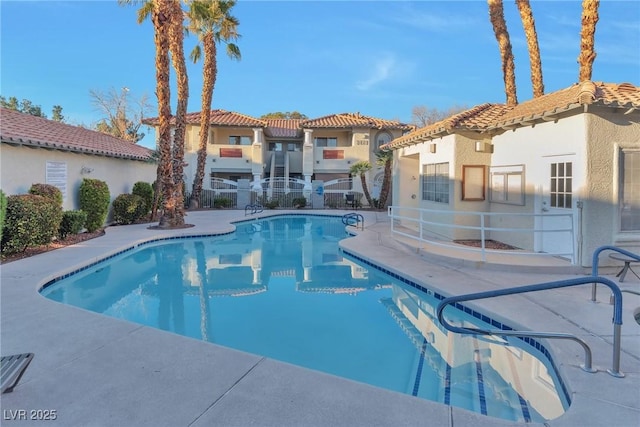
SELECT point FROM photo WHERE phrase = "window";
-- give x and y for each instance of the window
(629, 190)
(473, 182)
(326, 142)
(507, 184)
(435, 182)
(239, 140)
(333, 154)
(560, 190)
(383, 138)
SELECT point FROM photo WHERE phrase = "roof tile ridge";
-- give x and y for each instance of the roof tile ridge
(587, 92)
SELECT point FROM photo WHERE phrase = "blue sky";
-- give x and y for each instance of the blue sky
(317, 57)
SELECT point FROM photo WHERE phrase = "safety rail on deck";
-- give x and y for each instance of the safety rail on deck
(596, 258)
(253, 209)
(353, 219)
(482, 228)
(617, 317)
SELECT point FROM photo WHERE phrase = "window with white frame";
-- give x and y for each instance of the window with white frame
(435, 182)
(239, 140)
(629, 190)
(325, 141)
(561, 191)
(507, 184)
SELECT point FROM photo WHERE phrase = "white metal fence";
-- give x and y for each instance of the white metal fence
(443, 228)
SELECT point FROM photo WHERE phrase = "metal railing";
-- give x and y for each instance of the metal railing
(617, 317)
(483, 230)
(596, 259)
(253, 209)
(353, 219)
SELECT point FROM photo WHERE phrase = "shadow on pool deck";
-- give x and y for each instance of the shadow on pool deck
(95, 370)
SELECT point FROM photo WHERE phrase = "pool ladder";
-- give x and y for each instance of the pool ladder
(617, 317)
(354, 219)
(253, 209)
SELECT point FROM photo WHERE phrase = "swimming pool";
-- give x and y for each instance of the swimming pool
(282, 288)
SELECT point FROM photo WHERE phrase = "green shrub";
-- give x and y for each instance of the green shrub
(272, 204)
(3, 211)
(128, 208)
(221, 202)
(94, 200)
(31, 221)
(299, 202)
(54, 195)
(72, 223)
(49, 191)
(144, 190)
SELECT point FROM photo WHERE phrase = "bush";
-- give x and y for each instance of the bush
(54, 195)
(31, 221)
(144, 190)
(128, 208)
(94, 200)
(221, 202)
(272, 204)
(72, 223)
(3, 211)
(49, 191)
(299, 202)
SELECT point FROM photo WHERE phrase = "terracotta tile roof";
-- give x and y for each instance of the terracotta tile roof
(25, 129)
(349, 120)
(624, 95)
(283, 128)
(488, 117)
(218, 118)
(477, 119)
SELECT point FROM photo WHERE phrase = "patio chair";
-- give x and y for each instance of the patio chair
(13, 367)
(350, 200)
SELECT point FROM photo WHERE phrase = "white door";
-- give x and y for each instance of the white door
(557, 207)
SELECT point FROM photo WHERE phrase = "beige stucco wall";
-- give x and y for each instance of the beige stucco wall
(24, 166)
(609, 132)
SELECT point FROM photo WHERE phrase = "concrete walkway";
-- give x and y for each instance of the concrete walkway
(93, 370)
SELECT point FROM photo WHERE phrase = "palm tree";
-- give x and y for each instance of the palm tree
(212, 22)
(496, 15)
(384, 158)
(160, 12)
(587, 38)
(361, 168)
(529, 25)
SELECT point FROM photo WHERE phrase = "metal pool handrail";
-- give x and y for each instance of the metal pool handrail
(617, 316)
(346, 219)
(594, 263)
(257, 208)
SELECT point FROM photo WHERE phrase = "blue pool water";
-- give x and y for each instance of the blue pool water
(282, 288)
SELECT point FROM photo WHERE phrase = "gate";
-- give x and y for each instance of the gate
(279, 192)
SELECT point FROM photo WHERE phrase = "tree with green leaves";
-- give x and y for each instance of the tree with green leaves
(361, 168)
(287, 115)
(160, 12)
(28, 107)
(57, 114)
(212, 22)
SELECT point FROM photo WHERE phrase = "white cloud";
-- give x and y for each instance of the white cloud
(381, 70)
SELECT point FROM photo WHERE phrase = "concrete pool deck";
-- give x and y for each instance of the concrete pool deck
(94, 370)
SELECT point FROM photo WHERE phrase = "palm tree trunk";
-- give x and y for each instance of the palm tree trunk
(496, 15)
(386, 184)
(529, 25)
(209, 72)
(587, 38)
(176, 46)
(365, 189)
(161, 20)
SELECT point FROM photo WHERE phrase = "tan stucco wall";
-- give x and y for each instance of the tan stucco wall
(23, 166)
(608, 133)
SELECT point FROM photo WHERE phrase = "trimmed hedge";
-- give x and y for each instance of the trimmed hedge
(31, 220)
(94, 200)
(49, 191)
(72, 223)
(3, 211)
(128, 208)
(144, 190)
